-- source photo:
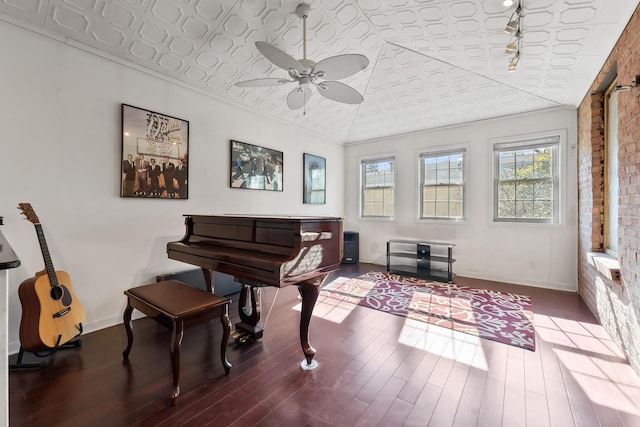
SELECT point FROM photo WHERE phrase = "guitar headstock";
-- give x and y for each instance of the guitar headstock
(28, 212)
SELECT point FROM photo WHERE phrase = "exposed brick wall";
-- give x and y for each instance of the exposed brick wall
(616, 305)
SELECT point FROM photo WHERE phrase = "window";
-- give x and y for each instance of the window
(526, 180)
(442, 185)
(611, 172)
(378, 187)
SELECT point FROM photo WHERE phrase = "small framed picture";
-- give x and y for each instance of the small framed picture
(314, 180)
(155, 155)
(255, 167)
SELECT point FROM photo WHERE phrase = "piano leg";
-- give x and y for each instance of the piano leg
(176, 340)
(309, 291)
(248, 326)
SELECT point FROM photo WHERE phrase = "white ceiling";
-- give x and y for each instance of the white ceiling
(432, 62)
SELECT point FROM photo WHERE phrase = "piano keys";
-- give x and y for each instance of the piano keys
(264, 251)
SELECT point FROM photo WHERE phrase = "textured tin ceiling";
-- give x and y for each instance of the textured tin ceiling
(432, 62)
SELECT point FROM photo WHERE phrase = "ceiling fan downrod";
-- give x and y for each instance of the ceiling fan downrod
(303, 12)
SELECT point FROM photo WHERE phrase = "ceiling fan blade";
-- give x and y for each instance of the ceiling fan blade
(278, 57)
(340, 92)
(341, 66)
(262, 82)
(298, 97)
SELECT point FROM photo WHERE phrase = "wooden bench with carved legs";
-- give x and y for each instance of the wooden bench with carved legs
(177, 306)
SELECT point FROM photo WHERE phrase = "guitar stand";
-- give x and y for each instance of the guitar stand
(20, 365)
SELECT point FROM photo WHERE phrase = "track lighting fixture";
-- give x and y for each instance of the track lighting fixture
(514, 27)
(507, 3)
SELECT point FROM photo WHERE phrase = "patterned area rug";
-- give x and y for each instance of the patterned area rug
(497, 316)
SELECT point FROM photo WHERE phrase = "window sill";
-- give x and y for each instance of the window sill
(606, 265)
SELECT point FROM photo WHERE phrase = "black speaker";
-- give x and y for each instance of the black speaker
(351, 248)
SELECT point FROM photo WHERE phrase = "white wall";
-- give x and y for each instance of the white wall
(541, 255)
(61, 151)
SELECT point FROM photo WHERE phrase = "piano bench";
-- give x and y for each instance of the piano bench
(177, 306)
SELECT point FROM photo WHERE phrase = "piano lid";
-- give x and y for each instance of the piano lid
(274, 251)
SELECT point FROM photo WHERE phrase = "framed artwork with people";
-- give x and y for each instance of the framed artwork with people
(254, 167)
(155, 155)
(315, 173)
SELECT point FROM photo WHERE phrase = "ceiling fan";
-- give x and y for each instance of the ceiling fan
(306, 72)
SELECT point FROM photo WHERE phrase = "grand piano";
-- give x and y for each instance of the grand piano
(264, 251)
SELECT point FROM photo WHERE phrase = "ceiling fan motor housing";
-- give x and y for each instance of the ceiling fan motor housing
(308, 64)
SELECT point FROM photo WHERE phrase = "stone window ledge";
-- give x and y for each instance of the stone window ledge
(607, 265)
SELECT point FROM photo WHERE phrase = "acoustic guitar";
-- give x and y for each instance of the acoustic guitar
(51, 313)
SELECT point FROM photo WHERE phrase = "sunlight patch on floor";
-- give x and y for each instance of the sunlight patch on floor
(444, 342)
(330, 309)
(335, 310)
(596, 366)
(460, 347)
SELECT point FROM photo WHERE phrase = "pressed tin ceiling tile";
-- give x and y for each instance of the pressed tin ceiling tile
(431, 62)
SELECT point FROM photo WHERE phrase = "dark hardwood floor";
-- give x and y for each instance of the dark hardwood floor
(374, 369)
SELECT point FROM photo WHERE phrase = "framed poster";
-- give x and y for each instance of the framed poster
(255, 167)
(314, 180)
(155, 155)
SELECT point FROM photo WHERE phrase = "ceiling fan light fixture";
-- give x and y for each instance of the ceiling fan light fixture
(305, 82)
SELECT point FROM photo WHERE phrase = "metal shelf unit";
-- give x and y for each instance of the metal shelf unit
(420, 258)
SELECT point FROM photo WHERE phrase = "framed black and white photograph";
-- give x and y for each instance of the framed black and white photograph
(155, 155)
(255, 167)
(314, 180)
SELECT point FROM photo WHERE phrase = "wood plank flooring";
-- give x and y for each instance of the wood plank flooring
(374, 369)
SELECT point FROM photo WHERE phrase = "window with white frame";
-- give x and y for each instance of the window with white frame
(526, 180)
(611, 172)
(378, 188)
(442, 185)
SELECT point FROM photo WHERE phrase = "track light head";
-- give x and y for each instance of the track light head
(512, 26)
(507, 3)
(513, 62)
(514, 44)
